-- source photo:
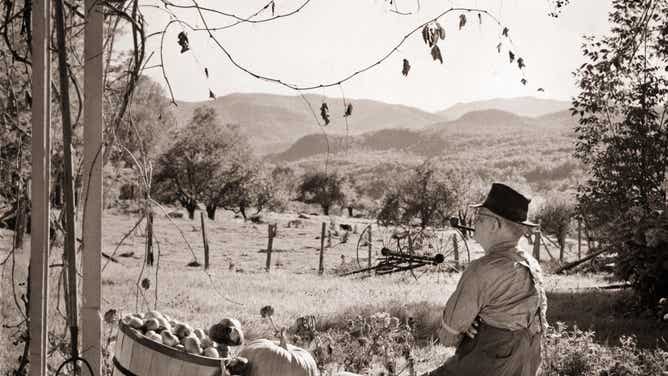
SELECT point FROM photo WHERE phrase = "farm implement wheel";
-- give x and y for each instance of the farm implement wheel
(412, 248)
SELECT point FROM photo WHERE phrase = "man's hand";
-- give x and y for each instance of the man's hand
(473, 329)
(447, 338)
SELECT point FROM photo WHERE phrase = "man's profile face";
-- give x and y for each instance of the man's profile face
(486, 225)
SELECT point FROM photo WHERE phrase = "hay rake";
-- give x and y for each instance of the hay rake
(405, 249)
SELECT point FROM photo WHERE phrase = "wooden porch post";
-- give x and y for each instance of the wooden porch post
(41, 171)
(91, 328)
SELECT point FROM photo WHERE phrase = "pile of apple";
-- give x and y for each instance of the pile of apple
(163, 329)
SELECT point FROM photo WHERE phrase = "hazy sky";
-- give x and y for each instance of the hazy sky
(330, 39)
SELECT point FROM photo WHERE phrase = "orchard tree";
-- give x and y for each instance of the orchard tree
(427, 195)
(247, 187)
(555, 218)
(622, 136)
(322, 188)
(353, 197)
(188, 169)
(147, 126)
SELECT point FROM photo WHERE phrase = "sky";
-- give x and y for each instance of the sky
(328, 40)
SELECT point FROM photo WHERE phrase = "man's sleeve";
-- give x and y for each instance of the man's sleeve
(462, 307)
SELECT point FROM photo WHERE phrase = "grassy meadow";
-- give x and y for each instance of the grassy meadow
(237, 284)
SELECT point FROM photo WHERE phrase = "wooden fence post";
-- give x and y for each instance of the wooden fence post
(536, 244)
(205, 241)
(579, 237)
(321, 267)
(455, 247)
(329, 238)
(271, 232)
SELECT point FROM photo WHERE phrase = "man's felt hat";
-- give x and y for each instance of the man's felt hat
(507, 203)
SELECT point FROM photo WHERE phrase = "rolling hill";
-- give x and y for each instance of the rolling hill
(487, 128)
(522, 106)
(274, 122)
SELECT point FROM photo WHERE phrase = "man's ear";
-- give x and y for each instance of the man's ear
(497, 225)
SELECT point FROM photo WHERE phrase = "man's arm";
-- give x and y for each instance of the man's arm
(462, 308)
(448, 336)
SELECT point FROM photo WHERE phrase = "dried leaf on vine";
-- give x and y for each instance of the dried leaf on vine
(436, 54)
(183, 41)
(462, 21)
(520, 63)
(406, 68)
(349, 110)
(540, 89)
(480, 18)
(425, 34)
(324, 112)
(511, 56)
(498, 47)
(206, 72)
(211, 94)
(433, 37)
(505, 32)
(440, 30)
(273, 6)
(523, 81)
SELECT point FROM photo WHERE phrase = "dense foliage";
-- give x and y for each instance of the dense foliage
(322, 188)
(207, 163)
(427, 196)
(573, 352)
(622, 136)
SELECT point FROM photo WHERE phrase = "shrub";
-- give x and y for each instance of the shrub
(641, 243)
(574, 353)
(379, 341)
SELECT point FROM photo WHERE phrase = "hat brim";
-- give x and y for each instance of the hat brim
(524, 223)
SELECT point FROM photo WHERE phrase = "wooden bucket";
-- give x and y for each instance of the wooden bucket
(136, 355)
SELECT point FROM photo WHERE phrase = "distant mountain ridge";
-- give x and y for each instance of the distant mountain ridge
(521, 106)
(277, 123)
(274, 122)
(482, 128)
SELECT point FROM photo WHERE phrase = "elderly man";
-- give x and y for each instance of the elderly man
(496, 316)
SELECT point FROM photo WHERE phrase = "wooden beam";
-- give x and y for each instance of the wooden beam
(91, 328)
(41, 171)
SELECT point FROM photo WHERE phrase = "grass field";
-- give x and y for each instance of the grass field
(237, 284)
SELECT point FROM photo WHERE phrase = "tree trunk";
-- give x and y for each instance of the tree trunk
(350, 211)
(242, 210)
(191, 210)
(189, 204)
(211, 211)
(325, 209)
